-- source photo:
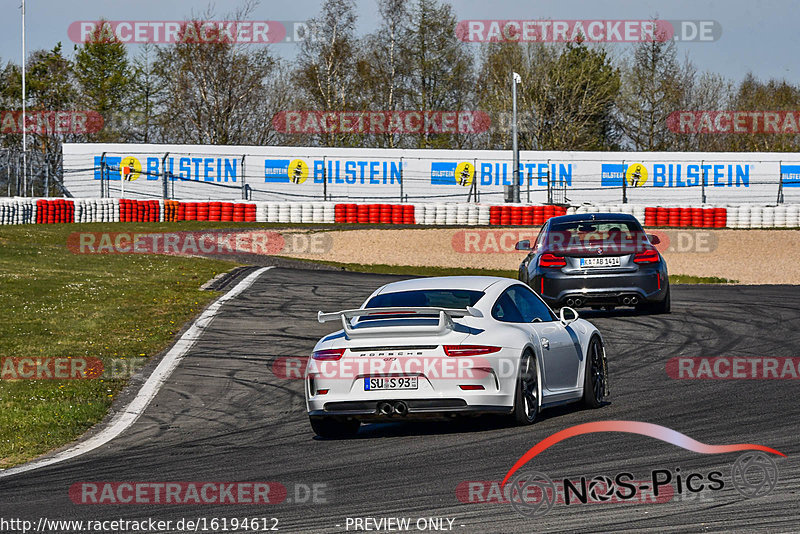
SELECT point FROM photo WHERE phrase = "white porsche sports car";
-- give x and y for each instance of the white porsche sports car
(444, 346)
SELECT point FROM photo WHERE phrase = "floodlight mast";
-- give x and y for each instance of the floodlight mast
(24, 115)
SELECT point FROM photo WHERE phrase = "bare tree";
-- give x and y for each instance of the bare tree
(773, 95)
(652, 88)
(327, 65)
(214, 89)
(440, 69)
(382, 68)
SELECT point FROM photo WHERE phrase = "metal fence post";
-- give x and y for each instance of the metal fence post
(401, 178)
(164, 174)
(530, 179)
(624, 184)
(324, 178)
(102, 173)
(780, 182)
(475, 179)
(703, 185)
(244, 190)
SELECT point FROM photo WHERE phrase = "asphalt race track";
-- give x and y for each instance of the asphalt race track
(224, 416)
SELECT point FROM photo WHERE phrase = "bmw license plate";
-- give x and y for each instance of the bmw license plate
(603, 261)
(391, 382)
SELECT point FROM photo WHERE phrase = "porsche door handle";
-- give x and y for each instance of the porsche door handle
(545, 343)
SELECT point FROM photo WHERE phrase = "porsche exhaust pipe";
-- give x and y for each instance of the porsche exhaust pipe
(400, 408)
(384, 408)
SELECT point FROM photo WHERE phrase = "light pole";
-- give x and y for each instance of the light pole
(515, 79)
(24, 125)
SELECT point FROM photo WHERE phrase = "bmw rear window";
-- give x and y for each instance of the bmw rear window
(618, 236)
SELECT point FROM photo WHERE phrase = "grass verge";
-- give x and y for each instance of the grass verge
(120, 309)
(691, 279)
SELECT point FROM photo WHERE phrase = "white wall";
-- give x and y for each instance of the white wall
(218, 172)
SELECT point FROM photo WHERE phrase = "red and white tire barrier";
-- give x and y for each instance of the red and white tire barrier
(54, 211)
(87, 210)
(96, 210)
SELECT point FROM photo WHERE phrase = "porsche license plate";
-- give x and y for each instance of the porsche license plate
(603, 261)
(391, 382)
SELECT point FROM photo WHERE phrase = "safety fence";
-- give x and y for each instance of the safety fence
(92, 210)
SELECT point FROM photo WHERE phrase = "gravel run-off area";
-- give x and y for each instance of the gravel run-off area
(748, 256)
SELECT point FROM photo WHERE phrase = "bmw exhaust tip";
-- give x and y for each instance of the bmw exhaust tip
(634, 300)
(577, 302)
(570, 302)
(401, 408)
(384, 408)
(626, 300)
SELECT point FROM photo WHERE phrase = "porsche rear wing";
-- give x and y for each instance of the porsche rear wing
(444, 325)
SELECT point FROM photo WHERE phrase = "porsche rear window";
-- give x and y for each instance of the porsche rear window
(437, 298)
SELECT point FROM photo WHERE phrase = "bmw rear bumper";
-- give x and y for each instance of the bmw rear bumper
(629, 288)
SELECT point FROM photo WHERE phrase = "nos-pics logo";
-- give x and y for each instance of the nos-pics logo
(532, 493)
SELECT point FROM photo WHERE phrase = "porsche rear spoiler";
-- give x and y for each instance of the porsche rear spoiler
(444, 325)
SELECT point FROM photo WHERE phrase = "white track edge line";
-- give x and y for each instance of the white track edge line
(128, 415)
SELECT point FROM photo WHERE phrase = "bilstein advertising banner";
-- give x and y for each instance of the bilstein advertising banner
(199, 172)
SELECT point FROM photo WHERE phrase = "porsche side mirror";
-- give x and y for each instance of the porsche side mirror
(567, 315)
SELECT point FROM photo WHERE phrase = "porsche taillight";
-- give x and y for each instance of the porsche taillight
(328, 354)
(469, 350)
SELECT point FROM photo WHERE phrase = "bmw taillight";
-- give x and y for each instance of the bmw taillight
(328, 354)
(551, 260)
(469, 350)
(647, 256)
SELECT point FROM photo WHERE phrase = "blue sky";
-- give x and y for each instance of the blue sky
(758, 36)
